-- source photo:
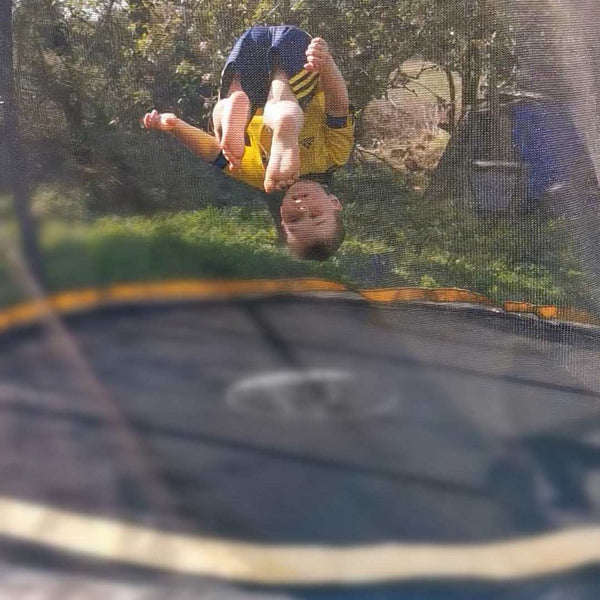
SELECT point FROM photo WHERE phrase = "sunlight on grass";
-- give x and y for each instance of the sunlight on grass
(394, 238)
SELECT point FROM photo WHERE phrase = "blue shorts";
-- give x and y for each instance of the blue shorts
(258, 52)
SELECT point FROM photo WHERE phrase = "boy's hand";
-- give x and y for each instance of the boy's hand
(160, 121)
(317, 55)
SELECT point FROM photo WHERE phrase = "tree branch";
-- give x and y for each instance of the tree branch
(363, 151)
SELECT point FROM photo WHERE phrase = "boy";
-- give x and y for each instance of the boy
(283, 113)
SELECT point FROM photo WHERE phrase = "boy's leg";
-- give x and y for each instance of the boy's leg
(230, 118)
(283, 115)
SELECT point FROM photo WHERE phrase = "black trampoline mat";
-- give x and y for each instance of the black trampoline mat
(462, 425)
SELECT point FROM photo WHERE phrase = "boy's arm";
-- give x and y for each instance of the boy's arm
(320, 60)
(202, 144)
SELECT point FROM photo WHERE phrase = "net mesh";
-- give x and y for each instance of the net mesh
(434, 382)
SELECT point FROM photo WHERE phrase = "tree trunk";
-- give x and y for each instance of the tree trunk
(452, 101)
(17, 175)
(285, 10)
(471, 75)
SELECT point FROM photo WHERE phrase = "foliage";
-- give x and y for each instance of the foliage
(466, 37)
(90, 69)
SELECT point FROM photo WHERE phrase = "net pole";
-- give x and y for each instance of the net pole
(9, 131)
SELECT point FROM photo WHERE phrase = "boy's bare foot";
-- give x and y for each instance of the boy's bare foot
(283, 169)
(234, 120)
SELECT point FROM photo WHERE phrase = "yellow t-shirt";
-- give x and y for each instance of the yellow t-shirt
(322, 148)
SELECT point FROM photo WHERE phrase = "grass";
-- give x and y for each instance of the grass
(393, 239)
(211, 243)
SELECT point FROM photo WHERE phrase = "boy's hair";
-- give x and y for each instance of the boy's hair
(322, 249)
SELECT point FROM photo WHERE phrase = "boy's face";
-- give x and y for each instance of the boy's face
(308, 213)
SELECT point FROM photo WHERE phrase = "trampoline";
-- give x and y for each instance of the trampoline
(295, 437)
(304, 440)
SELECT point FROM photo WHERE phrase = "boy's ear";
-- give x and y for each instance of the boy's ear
(336, 203)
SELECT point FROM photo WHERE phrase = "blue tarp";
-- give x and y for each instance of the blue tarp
(545, 138)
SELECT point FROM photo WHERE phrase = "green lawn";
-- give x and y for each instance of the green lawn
(393, 238)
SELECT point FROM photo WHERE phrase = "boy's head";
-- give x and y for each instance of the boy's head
(311, 221)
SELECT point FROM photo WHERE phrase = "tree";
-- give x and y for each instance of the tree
(372, 38)
(466, 37)
(89, 69)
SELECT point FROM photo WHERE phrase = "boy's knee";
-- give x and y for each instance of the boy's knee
(280, 88)
(235, 85)
(234, 95)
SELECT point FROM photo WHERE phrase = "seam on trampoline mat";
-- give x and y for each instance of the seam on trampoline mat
(187, 290)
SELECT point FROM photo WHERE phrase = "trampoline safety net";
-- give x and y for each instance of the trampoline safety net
(300, 315)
